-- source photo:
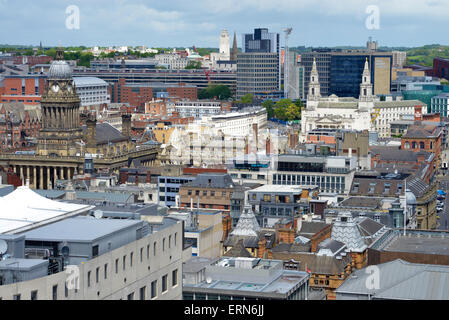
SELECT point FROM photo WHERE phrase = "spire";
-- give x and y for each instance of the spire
(234, 49)
(314, 84)
(366, 88)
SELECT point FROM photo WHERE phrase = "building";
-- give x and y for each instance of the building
(224, 52)
(92, 90)
(439, 104)
(398, 281)
(203, 230)
(200, 108)
(138, 94)
(19, 125)
(272, 203)
(242, 279)
(172, 60)
(441, 68)
(27, 89)
(399, 58)
(198, 78)
(168, 189)
(63, 144)
(45, 262)
(209, 191)
(258, 65)
(327, 173)
(424, 138)
(365, 113)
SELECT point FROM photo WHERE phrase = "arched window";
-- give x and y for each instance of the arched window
(413, 145)
(421, 145)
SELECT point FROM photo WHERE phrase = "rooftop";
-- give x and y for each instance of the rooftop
(80, 229)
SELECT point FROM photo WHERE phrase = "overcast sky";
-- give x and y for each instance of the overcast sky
(169, 23)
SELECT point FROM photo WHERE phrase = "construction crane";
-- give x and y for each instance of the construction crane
(287, 33)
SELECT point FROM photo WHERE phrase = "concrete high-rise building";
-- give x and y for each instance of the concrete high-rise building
(399, 58)
(258, 66)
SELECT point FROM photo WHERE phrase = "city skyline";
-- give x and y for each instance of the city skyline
(179, 24)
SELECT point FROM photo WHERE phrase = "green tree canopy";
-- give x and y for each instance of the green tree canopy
(193, 65)
(268, 104)
(247, 98)
(286, 110)
(221, 92)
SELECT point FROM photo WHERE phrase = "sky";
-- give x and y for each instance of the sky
(184, 23)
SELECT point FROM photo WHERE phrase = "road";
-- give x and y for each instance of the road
(443, 222)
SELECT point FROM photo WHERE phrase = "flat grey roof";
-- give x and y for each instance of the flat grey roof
(79, 229)
(21, 264)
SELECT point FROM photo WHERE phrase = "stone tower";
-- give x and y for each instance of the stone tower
(60, 134)
(366, 88)
(314, 84)
(224, 45)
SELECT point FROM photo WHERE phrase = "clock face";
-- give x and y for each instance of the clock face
(55, 88)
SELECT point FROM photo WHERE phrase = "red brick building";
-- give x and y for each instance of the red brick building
(18, 125)
(32, 60)
(137, 94)
(27, 89)
(441, 68)
(423, 138)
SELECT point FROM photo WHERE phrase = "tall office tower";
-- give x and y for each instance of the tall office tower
(258, 66)
(323, 62)
(224, 45)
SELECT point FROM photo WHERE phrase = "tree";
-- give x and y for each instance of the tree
(221, 92)
(268, 104)
(286, 110)
(193, 65)
(247, 98)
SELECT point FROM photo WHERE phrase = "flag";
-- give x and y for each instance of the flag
(308, 270)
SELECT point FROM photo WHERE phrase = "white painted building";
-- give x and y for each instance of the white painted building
(173, 60)
(92, 90)
(365, 113)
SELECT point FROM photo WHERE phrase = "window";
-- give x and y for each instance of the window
(176, 236)
(164, 283)
(142, 293)
(131, 296)
(106, 271)
(55, 292)
(154, 248)
(97, 274)
(131, 259)
(205, 193)
(141, 254)
(34, 295)
(421, 145)
(88, 278)
(174, 278)
(116, 265)
(169, 241)
(267, 198)
(148, 251)
(124, 262)
(16, 297)
(153, 289)
(95, 251)
(212, 193)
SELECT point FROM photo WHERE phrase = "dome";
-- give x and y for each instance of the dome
(59, 70)
(410, 197)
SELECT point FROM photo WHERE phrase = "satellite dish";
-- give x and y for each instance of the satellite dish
(98, 214)
(208, 279)
(65, 252)
(3, 246)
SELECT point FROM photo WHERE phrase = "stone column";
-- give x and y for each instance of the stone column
(48, 179)
(28, 173)
(61, 171)
(34, 177)
(21, 174)
(41, 177)
(55, 175)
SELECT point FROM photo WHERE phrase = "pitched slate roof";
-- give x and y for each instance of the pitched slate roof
(316, 264)
(238, 250)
